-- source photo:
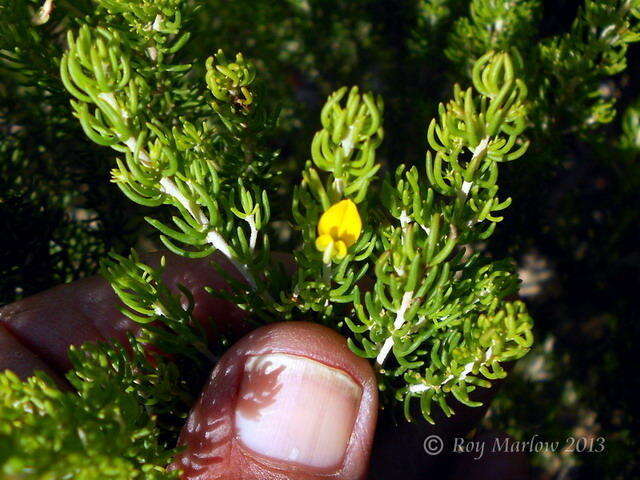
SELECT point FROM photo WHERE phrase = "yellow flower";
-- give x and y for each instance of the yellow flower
(338, 229)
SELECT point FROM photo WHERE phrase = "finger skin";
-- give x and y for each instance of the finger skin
(197, 274)
(17, 358)
(50, 322)
(212, 450)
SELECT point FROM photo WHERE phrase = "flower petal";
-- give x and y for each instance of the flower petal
(341, 221)
(323, 241)
(340, 250)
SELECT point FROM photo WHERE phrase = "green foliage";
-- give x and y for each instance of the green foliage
(128, 405)
(492, 24)
(164, 164)
(102, 72)
(576, 63)
(345, 150)
(467, 358)
(53, 200)
(433, 16)
(148, 300)
(24, 49)
(565, 71)
(248, 118)
(418, 310)
(109, 428)
(346, 145)
(630, 140)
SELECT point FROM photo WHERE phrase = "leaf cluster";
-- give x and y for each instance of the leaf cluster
(111, 426)
(430, 285)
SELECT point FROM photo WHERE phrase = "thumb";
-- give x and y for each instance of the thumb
(288, 401)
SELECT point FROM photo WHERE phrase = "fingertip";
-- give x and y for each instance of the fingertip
(289, 401)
